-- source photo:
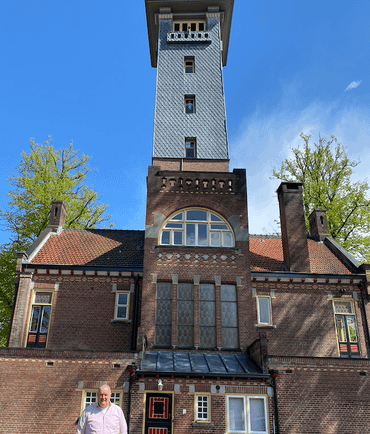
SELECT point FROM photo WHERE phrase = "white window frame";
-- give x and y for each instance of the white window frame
(247, 414)
(118, 305)
(206, 419)
(90, 396)
(258, 299)
(215, 223)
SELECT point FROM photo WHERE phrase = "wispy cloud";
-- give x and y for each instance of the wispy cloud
(266, 139)
(353, 85)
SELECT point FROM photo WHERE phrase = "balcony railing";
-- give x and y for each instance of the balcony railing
(188, 37)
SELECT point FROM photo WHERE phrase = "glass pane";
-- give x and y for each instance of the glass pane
(163, 312)
(177, 217)
(227, 239)
(207, 315)
(215, 239)
(36, 310)
(162, 335)
(173, 226)
(214, 218)
(185, 291)
(185, 336)
(190, 153)
(228, 293)
(196, 215)
(229, 314)
(177, 238)
(219, 227)
(201, 27)
(230, 337)
(236, 415)
(45, 319)
(43, 298)
(122, 298)
(165, 239)
(190, 234)
(351, 324)
(164, 290)
(206, 291)
(121, 312)
(342, 307)
(202, 235)
(257, 415)
(264, 310)
(341, 329)
(202, 407)
(207, 336)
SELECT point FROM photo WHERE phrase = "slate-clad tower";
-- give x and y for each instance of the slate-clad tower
(188, 44)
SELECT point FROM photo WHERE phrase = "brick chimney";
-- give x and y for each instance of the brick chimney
(57, 215)
(318, 224)
(293, 229)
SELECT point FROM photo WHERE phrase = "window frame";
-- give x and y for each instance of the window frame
(219, 225)
(258, 298)
(346, 348)
(118, 305)
(247, 414)
(189, 63)
(33, 304)
(196, 407)
(198, 26)
(192, 141)
(114, 392)
(191, 104)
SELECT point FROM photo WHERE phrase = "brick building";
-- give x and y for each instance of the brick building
(195, 324)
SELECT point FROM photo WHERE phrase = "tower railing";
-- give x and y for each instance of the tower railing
(188, 37)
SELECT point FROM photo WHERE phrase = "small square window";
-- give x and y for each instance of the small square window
(189, 64)
(264, 310)
(189, 103)
(202, 408)
(190, 148)
(122, 300)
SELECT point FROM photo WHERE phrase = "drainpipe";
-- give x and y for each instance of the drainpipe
(131, 369)
(135, 321)
(274, 374)
(361, 286)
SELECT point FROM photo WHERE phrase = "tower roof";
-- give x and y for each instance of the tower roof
(187, 9)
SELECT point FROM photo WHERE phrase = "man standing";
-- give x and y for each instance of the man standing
(102, 417)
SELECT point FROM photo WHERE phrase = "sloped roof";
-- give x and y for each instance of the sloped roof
(267, 255)
(93, 247)
(124, 249)
(186, 363)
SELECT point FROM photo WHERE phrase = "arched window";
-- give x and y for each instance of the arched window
(196, 227)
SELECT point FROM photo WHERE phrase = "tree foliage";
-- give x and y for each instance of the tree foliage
(325, 170)
(44, 174)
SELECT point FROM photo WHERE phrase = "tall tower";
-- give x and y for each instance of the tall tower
(188, 45)
(196, 234)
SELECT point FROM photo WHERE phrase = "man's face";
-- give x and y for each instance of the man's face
(104, 397)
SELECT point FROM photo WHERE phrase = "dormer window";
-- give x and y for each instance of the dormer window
(196, 227)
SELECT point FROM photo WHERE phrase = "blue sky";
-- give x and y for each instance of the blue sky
(80, 70)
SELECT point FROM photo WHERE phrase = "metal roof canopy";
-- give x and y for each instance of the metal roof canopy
(200, 365)
(187, 8)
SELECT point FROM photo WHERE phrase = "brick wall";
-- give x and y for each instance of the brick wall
(323, 396)
(303, 318)
(45, 399)
(82, 313)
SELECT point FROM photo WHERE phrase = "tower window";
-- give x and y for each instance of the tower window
(190, 148)
(189, 64)
(189, 102)
(188, 26)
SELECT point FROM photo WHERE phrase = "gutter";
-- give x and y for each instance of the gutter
(262, 376)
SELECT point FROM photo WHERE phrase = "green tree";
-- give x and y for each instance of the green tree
(43, 175)
(325, 171)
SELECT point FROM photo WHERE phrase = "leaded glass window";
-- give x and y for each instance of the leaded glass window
(229, 317)
(207, 315)
(163, 314)
(185, 315)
